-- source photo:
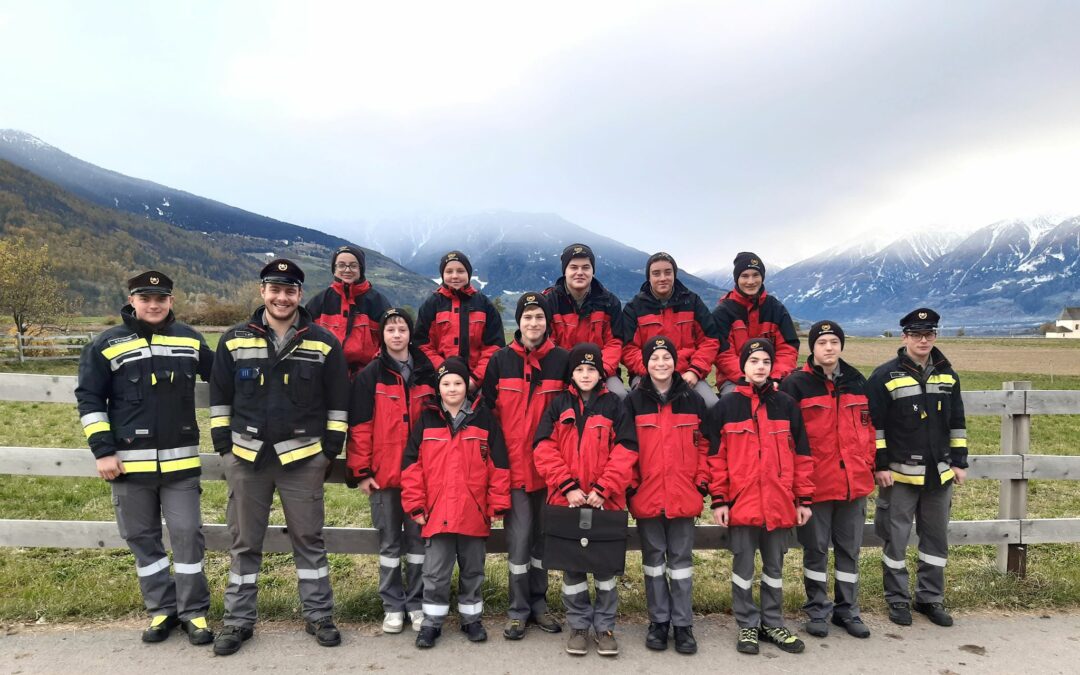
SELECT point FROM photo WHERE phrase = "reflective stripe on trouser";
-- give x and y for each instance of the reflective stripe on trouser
(251, 493)
(745, 541)
(139, 508)
(581, 612)
(525, 550)
(841, 524)
(440, 553)
(667, 546)
(398, 536)
(897, 506)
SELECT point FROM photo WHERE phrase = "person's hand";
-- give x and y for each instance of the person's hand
(368, 485)
(110, 467)
(595, 500)
(576, 498)
(420, 519)
(961, 475)
(802, 515)
(720, 515)
(690, 378)
(883, 478)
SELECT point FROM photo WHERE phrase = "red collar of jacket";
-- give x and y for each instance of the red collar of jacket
(466, 291)
(752, 391)
(532, 357)
(350, 292)
(747, 301)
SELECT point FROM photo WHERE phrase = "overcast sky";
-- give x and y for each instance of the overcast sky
(687, 126)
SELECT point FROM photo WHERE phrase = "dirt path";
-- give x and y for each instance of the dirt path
(978, 643)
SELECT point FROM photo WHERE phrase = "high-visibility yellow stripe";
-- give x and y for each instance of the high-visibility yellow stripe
(158, 620)
(880, 443)
(300, 453)
(941, 379)
(199, 622)
(96, 427)
(244, 453)
(907, 381)
(286, 378)
(910, 480)
(337, 426)
(153, 379)
(240, 343)
(315, 346)
(218, 422)
(112, 352)
(180, 464)
(947, 476)
(174, 341)
(957, 442)
(140, 467)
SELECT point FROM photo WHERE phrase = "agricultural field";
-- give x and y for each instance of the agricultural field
(51, 585)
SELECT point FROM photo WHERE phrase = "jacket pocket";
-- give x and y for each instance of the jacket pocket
(301, 384)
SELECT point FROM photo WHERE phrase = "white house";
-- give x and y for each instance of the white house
(1068, 324)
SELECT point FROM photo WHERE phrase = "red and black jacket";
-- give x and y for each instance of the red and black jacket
(382, 406)
(598, 320)
(351, 312)
(759, 458)
(459, 323)
(739, 319)
(683, 318)
(672, 476)
(837, 419)
(518, 387)
(457, 478)
(586, 447)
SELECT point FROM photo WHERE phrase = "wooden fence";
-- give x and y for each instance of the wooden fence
(1011, 532)
(52, 347)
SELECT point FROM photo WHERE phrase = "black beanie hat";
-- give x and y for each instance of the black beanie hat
(755, 345)
(576, 251)
(656, 257)
(825, 328)
(532, 299)
(356, 252)
(391, 313)
(658, 342)
(454, 365)
(748, 261)
(588, 354)
(452, 256)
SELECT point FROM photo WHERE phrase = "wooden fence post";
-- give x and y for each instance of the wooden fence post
(1015, 440)
(19, 346)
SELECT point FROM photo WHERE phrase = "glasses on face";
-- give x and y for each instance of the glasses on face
(919, 336)
(343, 267)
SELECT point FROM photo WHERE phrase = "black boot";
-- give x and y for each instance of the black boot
(684, 640)
(657, 636)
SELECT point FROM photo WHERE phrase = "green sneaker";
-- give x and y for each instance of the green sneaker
(748, 641)
(782, 638)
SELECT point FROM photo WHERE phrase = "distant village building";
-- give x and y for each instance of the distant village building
(1068, 324)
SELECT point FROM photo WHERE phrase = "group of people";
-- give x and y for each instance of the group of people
(446, 428)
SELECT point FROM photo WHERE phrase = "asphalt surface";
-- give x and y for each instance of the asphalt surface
(978, 643)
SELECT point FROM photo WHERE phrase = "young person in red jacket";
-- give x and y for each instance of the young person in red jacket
(458, 320)
(387, 396)
(832, 397)
(582, 310)
(350, 308)
(760, 480)
(664, 306)
(586, 450)
(748, 312)
(454, 481)
(669, 484)
(521, 380)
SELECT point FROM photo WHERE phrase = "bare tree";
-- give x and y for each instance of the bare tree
(29, 293)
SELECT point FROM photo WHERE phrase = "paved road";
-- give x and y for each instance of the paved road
(978, 643)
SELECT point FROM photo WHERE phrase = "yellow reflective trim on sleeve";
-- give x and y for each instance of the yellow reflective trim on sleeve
(907, 381)
(300, 453)
(112, 352)
(140, 467)
(175, 341)
(941, 379)
(153, 379)
(241, 343)
(218, 422)
(880, 443)
(96, 427)
(910, 480)
(181, 464)
(337, 426)
(957, 442)
(244, 453)
(315, 346)
(947, 476)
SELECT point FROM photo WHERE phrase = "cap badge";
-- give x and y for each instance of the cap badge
(442, 370)
(155, 280)
(755, 345)
(578, 249)
(282, 266)
(825, 327)
(451, 256)
(588, 357)
(754, 261)
(922, 315)
(530, 298)
(660, 343)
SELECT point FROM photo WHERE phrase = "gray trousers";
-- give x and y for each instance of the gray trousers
(615, 386)
(745, 542)
(525, 550)
(139, 509)
(896, 507)
(251, 494)
(396, 534)
(839, 523)
(582, 613)
(667, 561)
(708, 394)
(442, 551)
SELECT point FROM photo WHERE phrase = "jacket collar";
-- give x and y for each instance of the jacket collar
(127, 313)
(303, 320)
(538, 353)
(679, 292)
(351, 292)
(749, 302)
(466, 291)
(679, 388)
(936, 359)
(423, 370)
(596, 290)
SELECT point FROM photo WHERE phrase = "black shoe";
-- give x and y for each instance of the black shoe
(427, 636)
(160, 627)
(900, 613)
(657, 637)
(198, 633)
(818, 627)
(853, 625)
(782, 638)
(325, 632)
(475, 631)
(230, 638)
(684, 640)
(934, 611)
(748, 641)
(546, 623)
(515, 629)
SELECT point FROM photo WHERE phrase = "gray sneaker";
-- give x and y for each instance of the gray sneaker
(605, 644)
(578, 644)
